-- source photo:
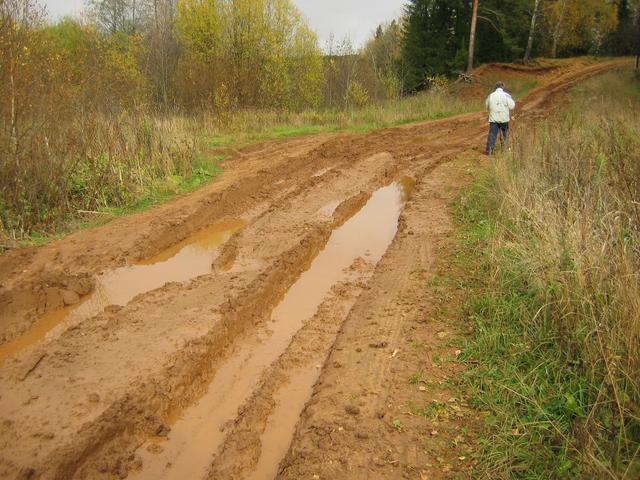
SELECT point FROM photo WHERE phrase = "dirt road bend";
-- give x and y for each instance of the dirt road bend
(257, 328)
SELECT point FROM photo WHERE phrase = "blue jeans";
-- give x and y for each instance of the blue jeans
(496, 129)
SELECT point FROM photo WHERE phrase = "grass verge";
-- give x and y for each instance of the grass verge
(205, 169)
(553, 232)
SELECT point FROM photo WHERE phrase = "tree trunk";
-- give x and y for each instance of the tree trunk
(472, 36)
(14, 114)
(558, 30)
(532, 30)
(133, 16)
(161, 44)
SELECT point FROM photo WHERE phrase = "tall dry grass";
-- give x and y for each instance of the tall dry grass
(569, 233)
(86, 163)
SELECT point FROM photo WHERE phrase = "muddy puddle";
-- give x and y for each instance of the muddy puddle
(198, 431)
(186, 260)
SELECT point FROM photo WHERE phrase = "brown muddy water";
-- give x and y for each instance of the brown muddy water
(197, 432)
(184, 261)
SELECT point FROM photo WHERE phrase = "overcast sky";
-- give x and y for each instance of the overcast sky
(356, 19)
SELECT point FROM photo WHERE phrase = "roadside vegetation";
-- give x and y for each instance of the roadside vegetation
(554, 226)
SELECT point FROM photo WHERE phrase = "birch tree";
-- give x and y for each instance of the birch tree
(532, 29)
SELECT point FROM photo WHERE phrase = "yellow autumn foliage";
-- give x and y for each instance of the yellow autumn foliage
(572, 23)
(261, 53)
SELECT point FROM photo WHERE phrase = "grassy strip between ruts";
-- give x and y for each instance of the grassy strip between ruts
(552, 232)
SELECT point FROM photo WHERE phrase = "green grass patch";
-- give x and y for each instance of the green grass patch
(416, 378)
(243, 128)
(533, 393)
(433, 411)
(204, 171)
(518, 87)
(279, 132)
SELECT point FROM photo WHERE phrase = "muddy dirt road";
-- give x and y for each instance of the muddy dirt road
(258, 328)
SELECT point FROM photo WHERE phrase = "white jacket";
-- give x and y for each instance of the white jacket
(499, 104)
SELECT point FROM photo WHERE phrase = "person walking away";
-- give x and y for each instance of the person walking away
(499, 104)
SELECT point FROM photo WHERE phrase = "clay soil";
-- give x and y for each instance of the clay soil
(273, 362)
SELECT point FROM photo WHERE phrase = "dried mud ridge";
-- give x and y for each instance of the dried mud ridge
(273, 341)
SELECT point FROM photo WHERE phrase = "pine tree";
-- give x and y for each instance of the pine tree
(503, 29)
(435, 39)
(622, 40)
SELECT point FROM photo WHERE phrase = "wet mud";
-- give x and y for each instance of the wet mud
(197, 432)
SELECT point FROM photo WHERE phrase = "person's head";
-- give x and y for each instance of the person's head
(499, 85)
